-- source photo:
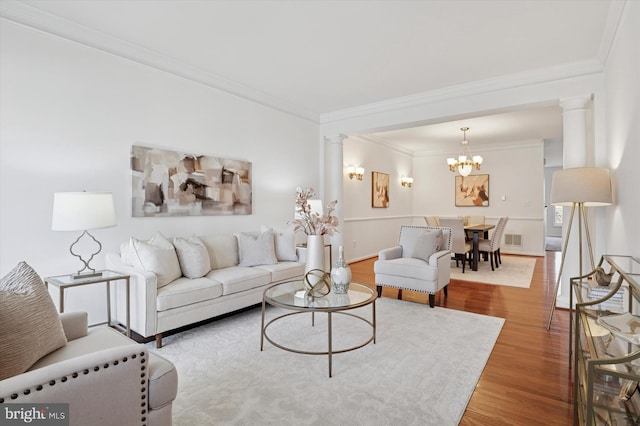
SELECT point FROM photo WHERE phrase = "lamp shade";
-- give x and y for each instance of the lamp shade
(588, 185)
(79, 211)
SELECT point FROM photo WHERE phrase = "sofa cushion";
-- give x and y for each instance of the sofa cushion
(283, 271)
(185, 291)
(240, 278)
(428, 242)
(29, 324)
(256, 249)
(285, 244)
(192, 256)
(223, 250)
(156, 255)
(406, 267)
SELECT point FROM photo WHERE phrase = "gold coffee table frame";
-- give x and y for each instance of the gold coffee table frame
(283, 295)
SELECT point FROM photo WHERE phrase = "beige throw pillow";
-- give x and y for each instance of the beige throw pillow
(256, 250)
(30, 327)
(193, 257)
(285, 244)
(428, 242)
(156, 255)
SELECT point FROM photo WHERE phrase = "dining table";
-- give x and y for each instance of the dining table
(476, 230)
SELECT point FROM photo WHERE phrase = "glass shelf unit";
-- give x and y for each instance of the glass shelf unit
(606, 349)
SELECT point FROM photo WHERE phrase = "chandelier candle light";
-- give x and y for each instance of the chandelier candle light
(465, 162)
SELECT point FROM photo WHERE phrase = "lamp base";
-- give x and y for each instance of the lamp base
(81, 276)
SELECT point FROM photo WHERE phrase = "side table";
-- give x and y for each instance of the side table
(66, 281)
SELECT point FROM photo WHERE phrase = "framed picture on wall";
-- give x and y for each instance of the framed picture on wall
(472, 191)
(379, 189)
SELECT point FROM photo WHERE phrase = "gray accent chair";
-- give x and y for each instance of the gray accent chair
(460, 248)
(105, 377)
(397, 269)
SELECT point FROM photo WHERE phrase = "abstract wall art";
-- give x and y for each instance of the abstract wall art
(472, 191)
(173, 183)
(379, 189)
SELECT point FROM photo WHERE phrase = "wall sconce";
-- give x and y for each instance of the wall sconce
(407, 181)
(355, 172)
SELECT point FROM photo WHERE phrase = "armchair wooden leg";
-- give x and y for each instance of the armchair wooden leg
(159, 340)
(491, 256)
(432, 300)
(379, 289)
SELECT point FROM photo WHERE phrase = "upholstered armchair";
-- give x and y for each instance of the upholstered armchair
(420, 262)
(46, 358)
(106, 378)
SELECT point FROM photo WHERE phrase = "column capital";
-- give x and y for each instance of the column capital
(575, 102)
(337, 139)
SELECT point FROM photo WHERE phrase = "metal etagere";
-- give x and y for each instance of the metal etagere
(606, 349)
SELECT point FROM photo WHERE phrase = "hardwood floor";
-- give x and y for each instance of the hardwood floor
(527, 380)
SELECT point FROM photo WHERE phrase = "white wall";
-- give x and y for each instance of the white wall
(368, 230)
(622, 84)
(68, 117)
(515, 173)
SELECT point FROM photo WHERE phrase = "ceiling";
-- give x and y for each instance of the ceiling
(312, 58)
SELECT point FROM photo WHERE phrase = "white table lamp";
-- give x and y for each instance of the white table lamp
(82, 211)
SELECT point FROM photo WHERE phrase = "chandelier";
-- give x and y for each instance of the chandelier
(465, 162)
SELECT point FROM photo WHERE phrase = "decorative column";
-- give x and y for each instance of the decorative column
(574, 154)
(333, 180)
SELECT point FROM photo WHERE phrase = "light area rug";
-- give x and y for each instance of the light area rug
(421, 371)
(514, 271)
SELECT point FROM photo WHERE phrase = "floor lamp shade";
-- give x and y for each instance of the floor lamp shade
(588, 185)
(79, 211)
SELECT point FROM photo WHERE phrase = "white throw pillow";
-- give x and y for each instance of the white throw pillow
(285, 244)
(156, 255)
(428, 242)
(193, 257)
(256, 250)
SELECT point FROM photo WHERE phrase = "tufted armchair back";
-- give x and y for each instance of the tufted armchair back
(409, 235)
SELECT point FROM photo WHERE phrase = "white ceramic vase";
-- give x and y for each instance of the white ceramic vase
(315, 253)
(315, 258)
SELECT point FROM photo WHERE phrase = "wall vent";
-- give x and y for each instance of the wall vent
(513, 239)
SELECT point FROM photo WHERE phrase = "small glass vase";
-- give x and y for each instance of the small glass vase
(340, 275)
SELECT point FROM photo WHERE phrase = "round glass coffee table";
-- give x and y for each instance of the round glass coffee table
(283, 295)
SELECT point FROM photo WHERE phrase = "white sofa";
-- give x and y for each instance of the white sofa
(216, 275)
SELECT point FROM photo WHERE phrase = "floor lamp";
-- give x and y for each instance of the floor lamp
(578, 188)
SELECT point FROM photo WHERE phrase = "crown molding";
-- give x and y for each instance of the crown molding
(510, 81)
(499, 147)
(38, 19)
(379, 141)
(614, 16)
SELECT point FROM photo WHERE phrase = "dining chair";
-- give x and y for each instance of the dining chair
(492, 245)
(460, 247)
(432, 220)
